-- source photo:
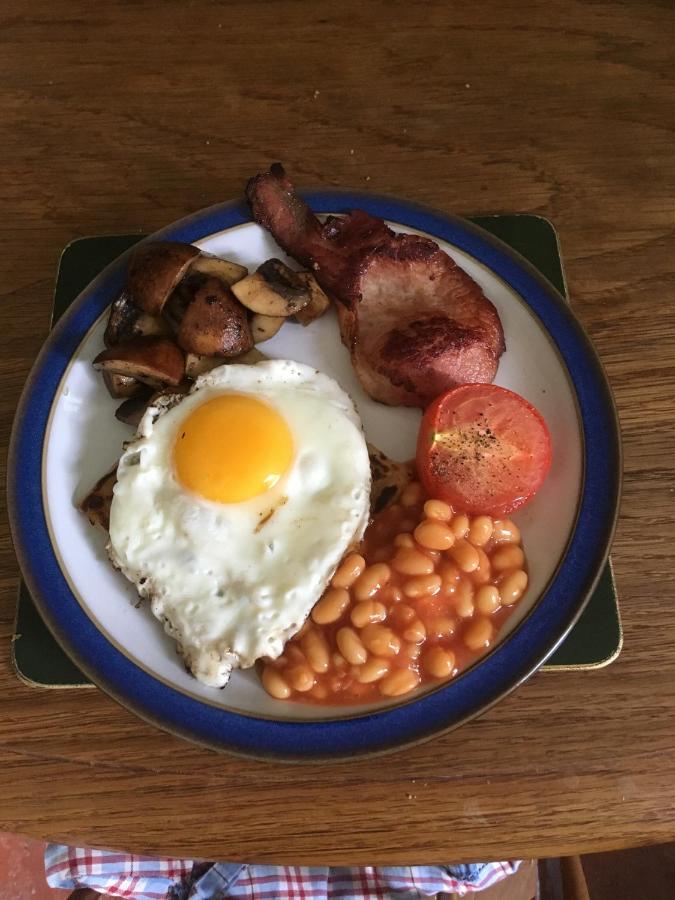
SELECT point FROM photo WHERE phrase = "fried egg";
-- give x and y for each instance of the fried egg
(234, 505)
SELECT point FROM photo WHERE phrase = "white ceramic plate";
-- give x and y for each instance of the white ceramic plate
(548, 360)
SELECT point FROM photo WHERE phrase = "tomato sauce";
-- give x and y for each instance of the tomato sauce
(424, 596)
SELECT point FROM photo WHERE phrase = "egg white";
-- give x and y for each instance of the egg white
(231, 582)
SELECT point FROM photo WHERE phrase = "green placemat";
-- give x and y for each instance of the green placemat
(596, 638)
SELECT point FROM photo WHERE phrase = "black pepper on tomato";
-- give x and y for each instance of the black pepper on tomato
(483, 449)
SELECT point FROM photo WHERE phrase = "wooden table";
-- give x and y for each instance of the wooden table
(124, 117)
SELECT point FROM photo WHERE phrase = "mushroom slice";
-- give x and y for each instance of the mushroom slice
(274, 290)
(214, 324)
(155, 361)
(265, 327)
(154, 271)
(318, 300)
(123, 314)
(196, 365)
(215, 267)
(178, 302)
(126, 320)
(121, 385)
(96, 505)
(250, 358)
(131, 411)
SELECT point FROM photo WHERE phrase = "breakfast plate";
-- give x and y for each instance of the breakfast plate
(65, 437)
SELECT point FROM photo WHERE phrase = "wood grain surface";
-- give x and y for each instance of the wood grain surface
(119, 117)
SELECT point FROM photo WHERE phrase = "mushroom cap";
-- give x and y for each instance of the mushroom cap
(155, 361)
(214, 323)
(154, 271)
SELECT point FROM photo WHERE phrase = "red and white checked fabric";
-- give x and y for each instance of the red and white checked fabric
(117, 874)
(365, 883)
(146, 878)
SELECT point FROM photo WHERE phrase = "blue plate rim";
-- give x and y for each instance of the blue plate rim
(511, 663)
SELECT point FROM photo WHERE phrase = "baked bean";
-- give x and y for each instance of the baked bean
(460, 525)
(331, 606)
(464, 599)
(439, 662)
(403, 613)
(465, 555)
(512, 587)
(412, 494)
(275, 684)
(422, 586)
(336, 683)
(437, 509)
(507, 556)
(398, 682)
(434, 555)
(294, 653)
(301, 678)
(425, 580)
(442, 627)
(434, 535)
(391, 594)
(316, 650)
(412, 562)
(505, 530)
(279, 663)
(370, 581)
(450, 576)
(480, 530)
(487, 599)
(372, 670)
(483, 574)
(367, 611)
(410, 652)
(380, 640)
(415, 633)
(348, 571)
(478, 634)
(465, 608)
(350, 646)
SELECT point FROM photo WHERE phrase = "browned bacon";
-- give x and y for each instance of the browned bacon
(415, 323)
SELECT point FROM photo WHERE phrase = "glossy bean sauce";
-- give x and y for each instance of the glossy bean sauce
(423, 597)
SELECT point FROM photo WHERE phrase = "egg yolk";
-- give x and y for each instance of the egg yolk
(232, 448)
